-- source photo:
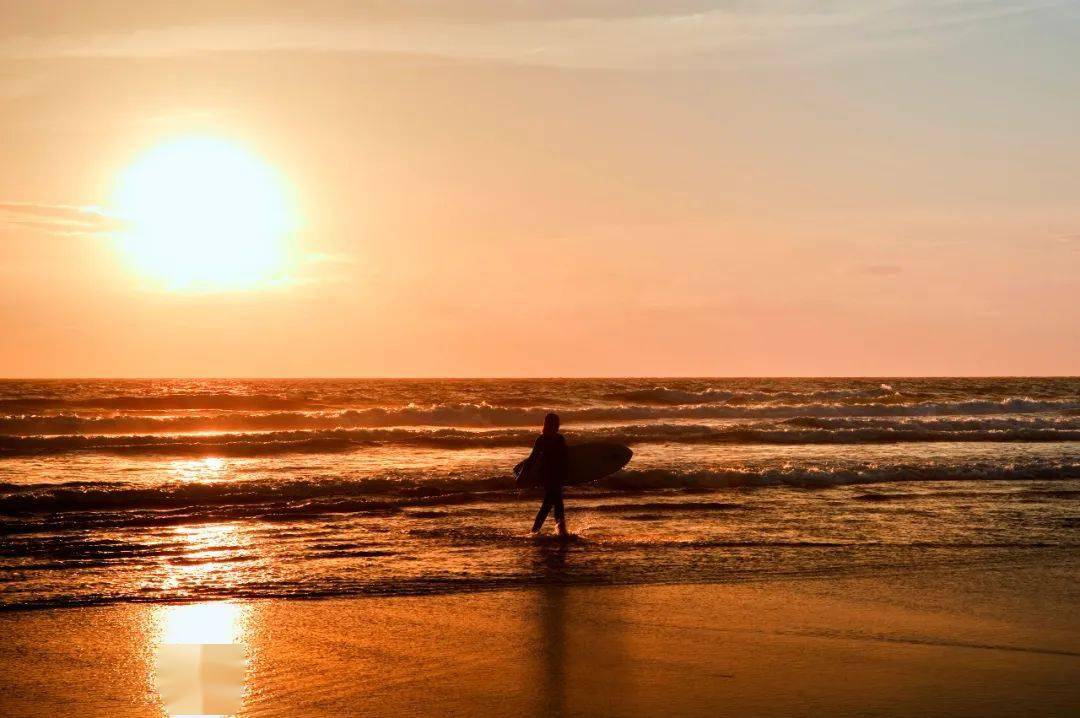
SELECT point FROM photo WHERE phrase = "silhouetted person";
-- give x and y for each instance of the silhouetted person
(550, 451)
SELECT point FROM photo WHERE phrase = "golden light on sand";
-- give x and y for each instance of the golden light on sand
(200, 660)
(215, 622)
(204, 213)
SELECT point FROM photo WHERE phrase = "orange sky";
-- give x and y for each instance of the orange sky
(638, 188)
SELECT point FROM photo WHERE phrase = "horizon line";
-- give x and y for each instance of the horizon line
(509, 377)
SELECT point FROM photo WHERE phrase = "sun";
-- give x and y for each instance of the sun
(204, 213)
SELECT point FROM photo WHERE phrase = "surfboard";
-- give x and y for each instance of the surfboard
(587, 462)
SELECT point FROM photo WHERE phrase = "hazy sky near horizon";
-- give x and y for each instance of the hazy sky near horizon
(536, 188)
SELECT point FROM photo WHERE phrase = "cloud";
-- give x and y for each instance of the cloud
(62, 220)
(1071, 241)
(596, 34)
(881, 270)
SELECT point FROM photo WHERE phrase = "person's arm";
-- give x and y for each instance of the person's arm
(535, 450)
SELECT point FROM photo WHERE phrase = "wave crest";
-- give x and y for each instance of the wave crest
(799, 430)
(51, 507)
(663, 395)
(485, 415)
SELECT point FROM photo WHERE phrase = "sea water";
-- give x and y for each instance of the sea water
(167, 490)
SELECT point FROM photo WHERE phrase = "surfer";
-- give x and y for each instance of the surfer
(550, 451)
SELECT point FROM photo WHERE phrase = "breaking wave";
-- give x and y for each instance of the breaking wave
(164, 402)
(800, 430)
(298, 400)
(665, 396)
(821, 477)
(51, 507)
(794, 431)
(484, 415)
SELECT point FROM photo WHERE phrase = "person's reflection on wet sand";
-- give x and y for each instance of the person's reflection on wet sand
(582, 665)
(552, 627)
(552, 557)
(552, 608)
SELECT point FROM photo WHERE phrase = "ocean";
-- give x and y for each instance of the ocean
(117, 491)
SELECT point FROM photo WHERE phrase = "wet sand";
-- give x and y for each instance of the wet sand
(970, 641)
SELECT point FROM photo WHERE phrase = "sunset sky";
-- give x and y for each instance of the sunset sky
(240, 188)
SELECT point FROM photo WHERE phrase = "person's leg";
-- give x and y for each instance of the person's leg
(543, 512)
(560, 513)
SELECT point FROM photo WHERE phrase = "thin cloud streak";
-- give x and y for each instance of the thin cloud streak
(641, 41)
(62, 220)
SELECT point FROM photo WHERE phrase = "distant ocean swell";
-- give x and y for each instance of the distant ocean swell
(792, 431)
(87, 505)
(328, 400)
(665, 395)
(481, 415)
(525, 406)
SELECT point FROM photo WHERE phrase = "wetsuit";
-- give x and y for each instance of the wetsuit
(550, 451)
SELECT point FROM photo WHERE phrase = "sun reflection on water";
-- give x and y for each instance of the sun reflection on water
(189, 470)
(210, 556)
(200, 656)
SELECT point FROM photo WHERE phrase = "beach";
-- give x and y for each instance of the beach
(978, 640)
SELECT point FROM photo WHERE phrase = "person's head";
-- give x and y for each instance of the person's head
(551, 423)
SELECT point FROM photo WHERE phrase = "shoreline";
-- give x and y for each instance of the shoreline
(558, 571)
